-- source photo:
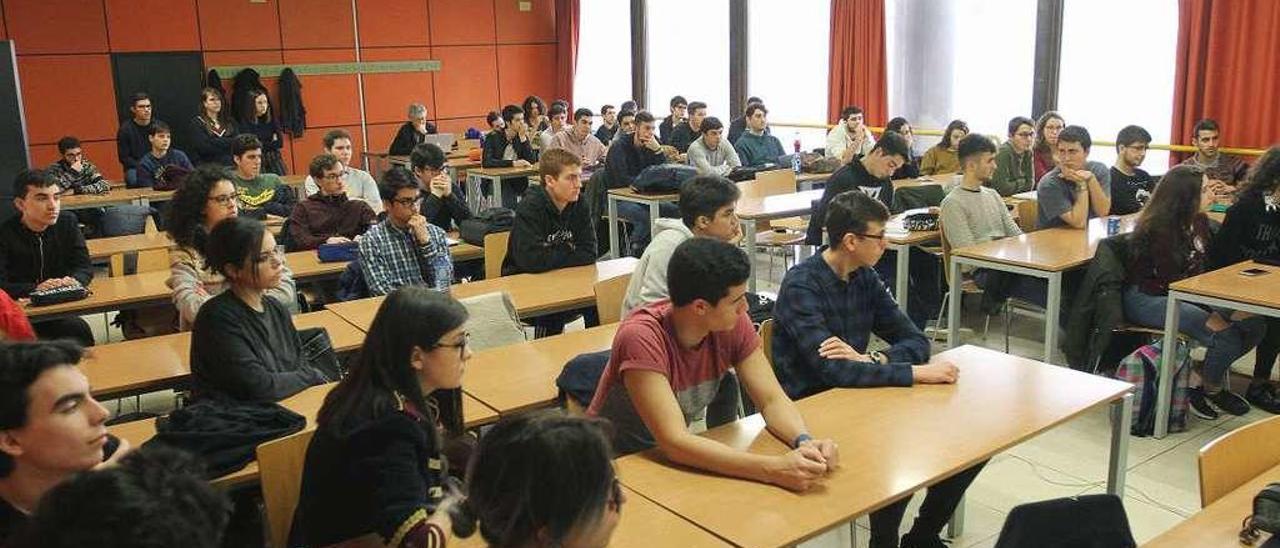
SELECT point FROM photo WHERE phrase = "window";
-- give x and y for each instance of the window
(603, 75)
(787, 53)
(688, 54)
(1119, 70)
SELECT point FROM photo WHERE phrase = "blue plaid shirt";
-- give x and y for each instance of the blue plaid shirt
(814, 305)
(390, 258)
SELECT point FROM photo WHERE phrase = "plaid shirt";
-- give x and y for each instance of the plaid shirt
(814, 305)
(391, 258)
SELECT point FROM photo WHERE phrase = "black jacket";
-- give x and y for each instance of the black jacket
(495, 145)
(851, 176)
(605, 134)
(408, 137)
(206, 147)
(1249, 231)
(545, 239)
(132, 143)
(683, 136)
(28, 258)
(625, 161)
(448, 212)
(1098, 307)
(1087, 521)
(293, 115)
(666, 129)
(225, 435)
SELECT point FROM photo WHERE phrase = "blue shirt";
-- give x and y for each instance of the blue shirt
(814, 304)
(391, 258)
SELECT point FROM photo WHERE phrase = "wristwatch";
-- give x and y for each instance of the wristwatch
(879, 357)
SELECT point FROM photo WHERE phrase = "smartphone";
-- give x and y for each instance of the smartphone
(1254, 272)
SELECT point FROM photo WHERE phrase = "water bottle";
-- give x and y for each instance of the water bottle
(796, 143)
(795, 158)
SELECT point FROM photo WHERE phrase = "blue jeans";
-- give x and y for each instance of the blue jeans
(1224, 347)
(638, 216)
(131, 178)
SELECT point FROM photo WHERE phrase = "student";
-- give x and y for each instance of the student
(131, 138)
(262, 124)
(553, 230)
(756, 146)
(666, 354)
(870, 174)
(260, 194)
(328, 216)
(543, 480)
(739, 125)
(685, 133)
(244, 346)
(158, 164)
(1048, 126)
(911, 167)
(512, 146)
(1221, 168)
(494, 120)
(1077, 190)
(828, 307)
(850, 137)
(710, 153)
(628, 156)
(1014, 172)
(1170, 243)
(608, 124)
(535, 114)
(1130, 185)
(42, 249)
(442, 203)
(375, 465)
(51, 427)
(941, 158)
(707, 205)
(557, 118)
(360, 184)
(974, 213)
(212, 131)
(404, 249)
(77, 175)
(156, 496)
(678, 108)
(579, 141)
(1251, 230)
(204, 200)
(626, 126)
(413, 132)
(629, 106)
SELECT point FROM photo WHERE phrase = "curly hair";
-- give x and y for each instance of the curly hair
(1264, 176)
(186, 209)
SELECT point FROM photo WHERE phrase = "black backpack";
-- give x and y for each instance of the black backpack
(494, 219)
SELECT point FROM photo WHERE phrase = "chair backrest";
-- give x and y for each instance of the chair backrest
(280, 463)
(609, 295)
(1028, 215)
(492, 320)
(468, 144)
(946, 252)
(495, 251)
(148, 260)
(766, 339)
(1238, 456)
(769, 183)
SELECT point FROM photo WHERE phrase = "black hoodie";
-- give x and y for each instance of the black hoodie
(28, 258)
(545, 239)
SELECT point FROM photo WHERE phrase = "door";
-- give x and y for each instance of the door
(172, 79)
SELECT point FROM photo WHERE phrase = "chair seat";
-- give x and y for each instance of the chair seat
(799, 224)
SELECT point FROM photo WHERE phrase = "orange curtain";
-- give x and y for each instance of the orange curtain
(567, 20)
(857, 63)
(1228, 69)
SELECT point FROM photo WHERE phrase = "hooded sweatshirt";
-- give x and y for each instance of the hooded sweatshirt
(649, 282)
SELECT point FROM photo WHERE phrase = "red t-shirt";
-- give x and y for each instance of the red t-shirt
(646, 340)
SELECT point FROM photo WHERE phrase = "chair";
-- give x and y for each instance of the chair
(766, 339)
(280, 463)
(609, 296)
(492, 321)
(495, 251)
(1028, 215)
(778, 233)
(967, 287)
(1237, 457)
(137, 262)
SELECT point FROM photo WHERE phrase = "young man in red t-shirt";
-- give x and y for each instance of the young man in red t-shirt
(667, 362)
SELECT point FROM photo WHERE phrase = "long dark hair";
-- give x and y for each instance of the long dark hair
(1173, 210)
(249, 114)
(409, 317)
(236, 241)
(223, 117)
(1264, 177)
(1041, 146)
(186, 210)
(946, 134)
(537, 471)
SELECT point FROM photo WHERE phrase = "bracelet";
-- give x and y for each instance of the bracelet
(800, 439)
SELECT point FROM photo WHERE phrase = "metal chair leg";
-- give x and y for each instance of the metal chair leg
(1008, 322)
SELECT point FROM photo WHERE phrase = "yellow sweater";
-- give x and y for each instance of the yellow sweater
(939, 160)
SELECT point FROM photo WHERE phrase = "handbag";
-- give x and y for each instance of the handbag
(58, 295)
(920, 222)
(318, 352)
(1265, 517)
(663, 178)
(337, 253)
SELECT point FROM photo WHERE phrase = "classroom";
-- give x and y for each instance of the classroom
(587, 273)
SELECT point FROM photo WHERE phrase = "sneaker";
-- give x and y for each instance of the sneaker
(1230, 402)
(1200, 405)
(1263, 396)
(912, 540)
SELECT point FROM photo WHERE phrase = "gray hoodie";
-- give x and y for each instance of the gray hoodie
(649, 281)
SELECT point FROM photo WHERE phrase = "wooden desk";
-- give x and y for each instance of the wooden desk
(533, 294)
(306, 403)
(1219, 523)
(1000, 401)
(494, 175)
(157, 363)
(103, 248)
(754, 209)
(457, 166)
(626, 194)
(519, 377)
(805, 181)
(117, 196)
(1225, 287)
(1042, 254)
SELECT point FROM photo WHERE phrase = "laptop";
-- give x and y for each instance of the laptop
(442, 140)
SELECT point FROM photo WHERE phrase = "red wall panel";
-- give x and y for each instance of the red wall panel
(152, 25)
(467, 84)
(381, 135)
(4, 33)
(312, 143)
(225, 58)
(527, 70)
(101, 153)
(316, 24)
(55, 109)
(393, 23)
(458, 126)
(455, 22)
(522, 27)
(57, 26)
(387, 96)
(237, 24)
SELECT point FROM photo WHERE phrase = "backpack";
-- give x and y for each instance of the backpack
(494, 219)
(816, 163)
(1141, 368)
(663, 178)
(759, 308)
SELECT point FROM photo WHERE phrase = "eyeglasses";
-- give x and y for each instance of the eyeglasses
(275, 257)
(879, 236)
(409, 202)
(332, 176)
(461, 346)
(224, 200)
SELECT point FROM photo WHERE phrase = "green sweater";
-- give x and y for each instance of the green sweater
(756, 150)
(1014, 173)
